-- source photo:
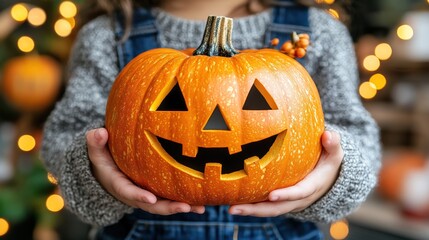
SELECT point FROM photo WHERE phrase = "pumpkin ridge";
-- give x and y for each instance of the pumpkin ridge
(177, 61)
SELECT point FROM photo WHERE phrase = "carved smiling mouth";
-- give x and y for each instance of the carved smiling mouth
(230, 162)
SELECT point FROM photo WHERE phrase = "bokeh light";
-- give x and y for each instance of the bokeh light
(329, 1)
(26, 143)
(55, 203)
(36, 16)
(63, 27)
(52, 179)
(405, 32)
(371, 63)
(68, 9)
(383, 51)
(339, 229)
(379, 80)
(19, 12)
(367, 90)
(334, 13)
(72, 22)
(4, 227)
(25, 44)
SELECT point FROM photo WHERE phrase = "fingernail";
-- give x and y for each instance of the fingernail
(328, 135)
(236, 211)
(97, 135)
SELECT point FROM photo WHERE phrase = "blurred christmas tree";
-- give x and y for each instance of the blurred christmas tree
(34, 35)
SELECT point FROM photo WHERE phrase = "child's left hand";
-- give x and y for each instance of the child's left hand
(305, 192)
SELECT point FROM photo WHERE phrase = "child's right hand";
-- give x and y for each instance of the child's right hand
(119, 186)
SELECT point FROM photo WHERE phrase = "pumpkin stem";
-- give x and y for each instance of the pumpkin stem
(217, 40)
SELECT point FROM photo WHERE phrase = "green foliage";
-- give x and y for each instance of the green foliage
(26, 194)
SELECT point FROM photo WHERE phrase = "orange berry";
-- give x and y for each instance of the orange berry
(304, 36)
(291, 52)
(275, 42)
(303, 42)
(286, 46)
(300, 52)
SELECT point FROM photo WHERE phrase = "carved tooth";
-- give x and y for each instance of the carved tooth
(252, 166)
(213, 171)
(190, 151)
(234, 149)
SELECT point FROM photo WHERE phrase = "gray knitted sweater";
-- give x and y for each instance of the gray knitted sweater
(93, 67)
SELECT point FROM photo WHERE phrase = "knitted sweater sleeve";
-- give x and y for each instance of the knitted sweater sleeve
(336, 76)
(92, 69)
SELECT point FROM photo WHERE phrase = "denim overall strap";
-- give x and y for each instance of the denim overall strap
(288, 17)
(143, 35)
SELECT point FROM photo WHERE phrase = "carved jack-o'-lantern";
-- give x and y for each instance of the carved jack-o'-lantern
(215, 127)
(32, 82)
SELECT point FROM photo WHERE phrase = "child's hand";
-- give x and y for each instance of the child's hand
(118, 185)
(305, 192)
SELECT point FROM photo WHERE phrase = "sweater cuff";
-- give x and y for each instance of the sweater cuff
(83, 195)
(353, 185)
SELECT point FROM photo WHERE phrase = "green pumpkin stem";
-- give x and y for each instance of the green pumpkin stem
(217, 40)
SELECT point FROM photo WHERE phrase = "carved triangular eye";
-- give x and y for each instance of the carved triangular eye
(259, 98)
(173, 101)
(216, 121)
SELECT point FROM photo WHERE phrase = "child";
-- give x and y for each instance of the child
(75, 149)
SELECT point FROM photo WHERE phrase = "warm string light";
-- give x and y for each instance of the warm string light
(379, 80)
(405, 32)
(339, 229)
(68, 9)
(334, 13)
(371, 63)
(4, 227)
(36, 16)
(383, 51)
(367, 90)
(19, 12)
(26, 143)
(62, 27)
(52, 179)
(25, 44)
(55, 203)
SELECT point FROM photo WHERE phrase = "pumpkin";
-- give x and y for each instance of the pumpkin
(396, 166)
(215, 126)
(31, 83)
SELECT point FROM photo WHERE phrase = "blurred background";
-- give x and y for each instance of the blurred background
(392, 44)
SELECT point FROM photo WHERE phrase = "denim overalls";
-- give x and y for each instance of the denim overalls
(215, 223)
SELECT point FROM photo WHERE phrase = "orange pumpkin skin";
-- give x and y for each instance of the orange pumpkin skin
(32, 82)
(135, 124)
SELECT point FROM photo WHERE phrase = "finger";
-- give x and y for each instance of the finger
(331, 142)
(166, 207)
(128, 192)
(301, 190)
(108, 173)
(198, 209)
(96, 142)
(263, 209)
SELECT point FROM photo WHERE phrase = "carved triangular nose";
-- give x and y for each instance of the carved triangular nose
(216, 121)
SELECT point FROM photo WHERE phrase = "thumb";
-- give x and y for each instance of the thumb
(331, 142)
(96, 141)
